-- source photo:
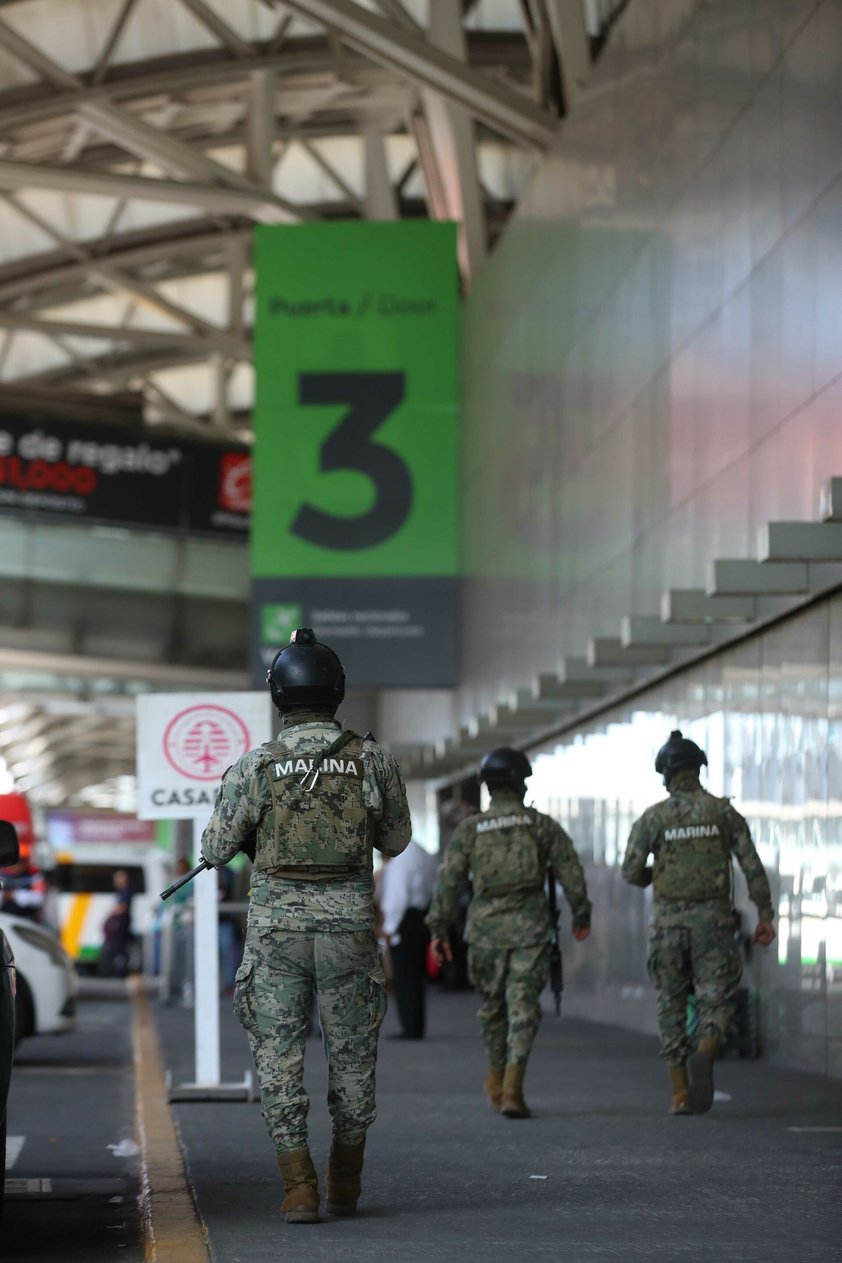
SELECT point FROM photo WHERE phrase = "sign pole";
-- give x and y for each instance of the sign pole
(205, 968)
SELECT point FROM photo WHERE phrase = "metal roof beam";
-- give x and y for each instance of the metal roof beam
(119, 367)
(572, 46)
(178, 158)
(298, 64)
(113, 279)
(219, 341)
(137, 136)
(333, 175)
(177, 75)
(395, 10)
(211, 20)
(150, 143)
(451, 134)
(380, 200)
(171, 410)
(237, 254)
(260, 134)
(42, 65)
(436, 196)
(221, 414)
(114, 35)
(211, 197)
(502, 107)
(189, 239)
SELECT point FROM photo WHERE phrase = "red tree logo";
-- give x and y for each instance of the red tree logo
(203, 741)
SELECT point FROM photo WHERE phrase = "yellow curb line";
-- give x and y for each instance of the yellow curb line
(171, 1227)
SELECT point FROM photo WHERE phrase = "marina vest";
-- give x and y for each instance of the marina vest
(692, 855)
(317, 823)
(505, 855)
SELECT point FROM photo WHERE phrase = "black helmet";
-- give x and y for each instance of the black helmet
(504, 765)
(677, 753)
(306, 673)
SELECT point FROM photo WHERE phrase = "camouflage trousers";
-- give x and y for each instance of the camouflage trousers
(282, 971)
(510, 982)
(702, 956)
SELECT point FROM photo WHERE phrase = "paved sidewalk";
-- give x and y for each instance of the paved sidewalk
(446, 1179)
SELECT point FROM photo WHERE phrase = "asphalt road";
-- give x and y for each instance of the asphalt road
(71, 1194)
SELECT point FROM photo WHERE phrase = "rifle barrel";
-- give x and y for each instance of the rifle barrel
(185, 878)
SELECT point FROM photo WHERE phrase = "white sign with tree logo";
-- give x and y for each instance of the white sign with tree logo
(185, 743)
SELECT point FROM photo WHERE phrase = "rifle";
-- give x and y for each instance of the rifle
(556, 968)
(186, 877)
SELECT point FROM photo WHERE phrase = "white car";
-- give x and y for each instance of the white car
(45, 1003)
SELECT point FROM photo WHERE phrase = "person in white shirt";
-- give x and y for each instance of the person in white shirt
(406, 891)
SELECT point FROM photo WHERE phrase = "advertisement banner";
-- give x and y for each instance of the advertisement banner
(67, 830)
(63, 471)
(355, 523)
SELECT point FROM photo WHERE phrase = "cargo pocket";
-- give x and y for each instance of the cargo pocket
(244, 997)
(378, 1002)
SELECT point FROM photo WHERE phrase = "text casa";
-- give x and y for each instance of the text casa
(188, 797)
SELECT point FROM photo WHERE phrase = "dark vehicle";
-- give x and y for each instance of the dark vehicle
(9, 854)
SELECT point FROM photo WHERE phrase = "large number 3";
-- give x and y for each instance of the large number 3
(372, 397)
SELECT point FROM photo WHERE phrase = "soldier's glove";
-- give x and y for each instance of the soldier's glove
(765, 933)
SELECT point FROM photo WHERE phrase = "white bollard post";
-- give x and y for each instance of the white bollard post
(205, 968)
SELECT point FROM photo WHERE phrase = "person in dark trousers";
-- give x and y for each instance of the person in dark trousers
(116, 953)
(407, 888)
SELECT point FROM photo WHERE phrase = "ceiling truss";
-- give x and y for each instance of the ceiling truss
(133, 169)
(221, 134)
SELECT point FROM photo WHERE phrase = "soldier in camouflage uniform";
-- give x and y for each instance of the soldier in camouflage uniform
(692, 836)
(309, 806)
(505, 852)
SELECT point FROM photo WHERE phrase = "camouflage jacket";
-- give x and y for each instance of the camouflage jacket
(692, 836)
(504, 852)
(313, 901)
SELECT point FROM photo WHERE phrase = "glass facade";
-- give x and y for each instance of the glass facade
(768, 711)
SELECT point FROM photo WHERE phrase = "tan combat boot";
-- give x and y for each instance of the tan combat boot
(493, 1085)
(301, 1185)
(680, 1102)
(512, 1104)
(344, 1177)
(700, 1067)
